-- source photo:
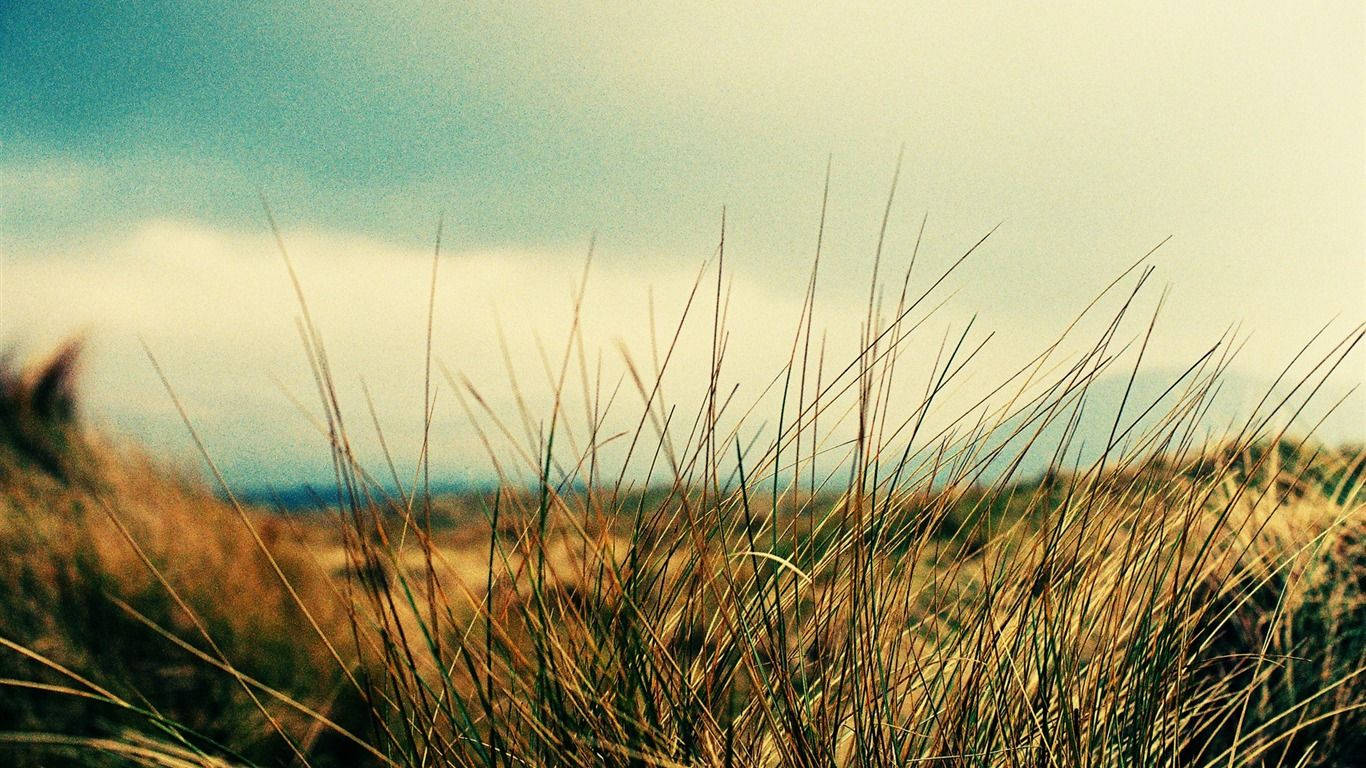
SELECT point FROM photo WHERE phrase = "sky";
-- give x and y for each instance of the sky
(137, 141)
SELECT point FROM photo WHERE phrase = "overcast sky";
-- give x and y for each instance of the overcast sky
(136, 138)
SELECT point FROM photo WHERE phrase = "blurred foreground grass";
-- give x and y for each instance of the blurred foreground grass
(1175, 602)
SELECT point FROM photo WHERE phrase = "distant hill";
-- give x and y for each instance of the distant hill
(1151, 397)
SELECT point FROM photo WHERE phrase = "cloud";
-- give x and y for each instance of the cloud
(136, 142)
(41, 181)
(218, 310)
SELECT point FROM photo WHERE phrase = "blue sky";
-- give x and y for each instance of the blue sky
(136, 137)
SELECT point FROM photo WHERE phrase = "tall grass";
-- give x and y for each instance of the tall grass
(103, 552)
(855, 583)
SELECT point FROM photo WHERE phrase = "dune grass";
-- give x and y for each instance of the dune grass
(852, 585)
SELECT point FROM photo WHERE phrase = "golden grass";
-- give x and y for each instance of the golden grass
(1174, 601)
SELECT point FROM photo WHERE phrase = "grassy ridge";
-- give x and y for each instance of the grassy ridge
(78, 593)
(1178, 601)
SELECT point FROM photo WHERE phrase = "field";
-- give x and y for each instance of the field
(1174, 597)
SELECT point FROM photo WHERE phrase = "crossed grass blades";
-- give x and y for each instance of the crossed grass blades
(843, 587)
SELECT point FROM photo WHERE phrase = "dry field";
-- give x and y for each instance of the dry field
(1174, 601)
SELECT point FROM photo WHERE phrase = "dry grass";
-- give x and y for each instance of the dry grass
(1175, 601)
